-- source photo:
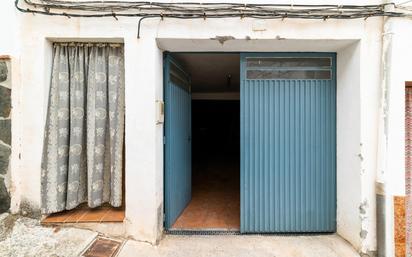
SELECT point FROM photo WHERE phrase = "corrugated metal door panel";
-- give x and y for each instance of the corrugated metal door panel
(288, 155)
(177, 146)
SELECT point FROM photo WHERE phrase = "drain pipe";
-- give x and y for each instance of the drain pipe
(384, 201)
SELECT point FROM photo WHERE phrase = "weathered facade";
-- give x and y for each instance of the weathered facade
(5, 132)
(373, 63)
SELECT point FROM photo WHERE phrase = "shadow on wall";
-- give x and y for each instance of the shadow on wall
(5, 133)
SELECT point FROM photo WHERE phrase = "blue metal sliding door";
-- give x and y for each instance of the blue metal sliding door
(288, 142)
(178, 160)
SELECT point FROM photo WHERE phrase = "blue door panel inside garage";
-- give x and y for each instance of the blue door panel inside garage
(178, 140)
(288, 143)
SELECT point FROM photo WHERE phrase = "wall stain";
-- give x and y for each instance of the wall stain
(363, 234)
(28, 210)
(363, 206)
(222, 39)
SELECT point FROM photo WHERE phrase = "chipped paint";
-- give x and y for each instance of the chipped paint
(223, 39)
(369, 254)
(363, 207)
(363, 234)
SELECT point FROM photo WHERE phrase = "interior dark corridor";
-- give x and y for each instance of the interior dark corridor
(215, 133)
(215, 200)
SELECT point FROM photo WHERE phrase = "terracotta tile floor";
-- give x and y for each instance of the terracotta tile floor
(85, 214)
(400, 226)
(215, 200)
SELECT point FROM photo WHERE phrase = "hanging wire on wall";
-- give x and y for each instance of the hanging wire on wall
(192, 10)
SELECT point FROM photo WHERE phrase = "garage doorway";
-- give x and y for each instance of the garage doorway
(212, 201)
(287, 124)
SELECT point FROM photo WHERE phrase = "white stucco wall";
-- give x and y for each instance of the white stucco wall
(358, 47)
(9, 46)
(400, 70)
(9, 28)
(348, 139)
(391, 153)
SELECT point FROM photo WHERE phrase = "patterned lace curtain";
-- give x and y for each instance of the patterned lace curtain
(408, 168)
(82, 156)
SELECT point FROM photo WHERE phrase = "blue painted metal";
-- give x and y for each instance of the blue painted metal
(178, 160)
(288, 152)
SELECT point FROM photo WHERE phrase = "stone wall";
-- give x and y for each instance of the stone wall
(5, 132)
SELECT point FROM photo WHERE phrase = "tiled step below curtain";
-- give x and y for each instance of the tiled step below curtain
(408, 168)
(83, 143)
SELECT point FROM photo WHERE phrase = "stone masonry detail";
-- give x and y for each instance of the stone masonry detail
(5, 133)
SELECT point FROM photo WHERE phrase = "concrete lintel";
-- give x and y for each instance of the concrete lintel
(252, 45)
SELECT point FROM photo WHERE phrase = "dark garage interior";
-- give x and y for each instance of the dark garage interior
(215, 202)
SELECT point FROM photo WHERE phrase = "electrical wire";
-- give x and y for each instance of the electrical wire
(192, 10)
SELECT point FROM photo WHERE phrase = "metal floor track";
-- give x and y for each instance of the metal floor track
(181, 232)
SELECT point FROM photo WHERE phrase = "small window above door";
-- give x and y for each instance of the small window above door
(288, 68)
